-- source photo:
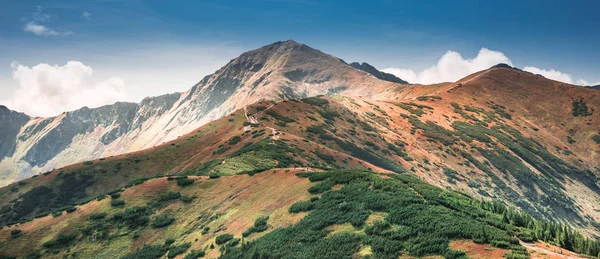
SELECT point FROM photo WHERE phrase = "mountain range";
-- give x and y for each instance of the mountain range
(282, 70)
(233, 154)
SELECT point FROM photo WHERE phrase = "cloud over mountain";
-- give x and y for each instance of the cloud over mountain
(451, 67)
(47, 90)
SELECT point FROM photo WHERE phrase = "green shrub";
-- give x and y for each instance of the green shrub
(15, 233)
(234, 140)
(134, 217)
(222, 239)
(315, 101)
(221, 150)
(97, 216)
(169, 196)
(137, 182)
(148, 251)
(300, 206)
(194, 254)
(281, 118)
(453, 254)
(117, 203)
(513, 255)
(179, 249)
(326, 157)
(260, 225)
(61, 241)
(315, 130)
(162, 221)
(596, 138)
(580, 108)
(186, 199)
(451, 174)
(500, 244)
(184, 182)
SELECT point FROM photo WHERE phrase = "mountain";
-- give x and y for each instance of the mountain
(244, 175)
(597, 87)
(498, 161)
(282, 70)
(379, 74)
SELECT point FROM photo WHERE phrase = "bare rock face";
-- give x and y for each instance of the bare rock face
(9, 128)
(282, 70)
(377, 73)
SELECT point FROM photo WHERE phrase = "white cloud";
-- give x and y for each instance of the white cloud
(451, 67)
(48, 90)
(86, 15)
(37, 24)
(552, 74)
(582, 82)
(43, 30)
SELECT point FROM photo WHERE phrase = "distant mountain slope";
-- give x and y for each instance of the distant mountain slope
(377, 73)
(282, 70)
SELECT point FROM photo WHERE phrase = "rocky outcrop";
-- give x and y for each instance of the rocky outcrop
(375, 72)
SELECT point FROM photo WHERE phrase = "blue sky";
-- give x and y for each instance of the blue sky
(142, 48)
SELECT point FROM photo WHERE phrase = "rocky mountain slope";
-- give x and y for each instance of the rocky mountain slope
(500, 134)
(283, 70)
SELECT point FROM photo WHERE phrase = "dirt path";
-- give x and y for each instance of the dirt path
(549, 252)
(475, 77)
(251, 119)
(275, 133)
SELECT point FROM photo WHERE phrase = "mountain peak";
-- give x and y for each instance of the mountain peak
(504, 65)
(364, 66)
(291, 43)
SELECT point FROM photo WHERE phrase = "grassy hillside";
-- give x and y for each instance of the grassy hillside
(278, 213)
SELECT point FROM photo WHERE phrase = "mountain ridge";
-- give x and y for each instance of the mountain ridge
(282, 70)
(364, 66)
